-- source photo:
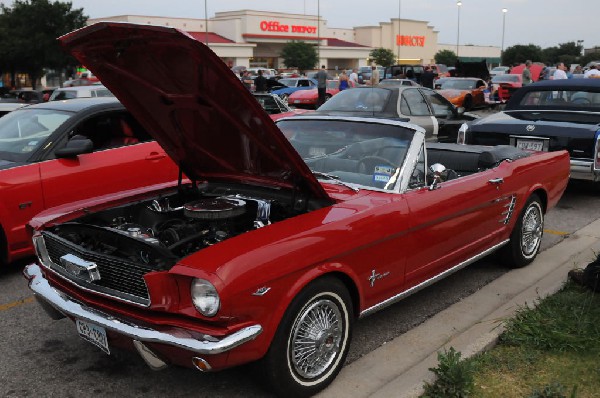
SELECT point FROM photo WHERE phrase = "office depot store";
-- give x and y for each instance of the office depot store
(256, 38)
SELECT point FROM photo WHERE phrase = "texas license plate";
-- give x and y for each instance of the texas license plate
(94, 334)
(531, 145)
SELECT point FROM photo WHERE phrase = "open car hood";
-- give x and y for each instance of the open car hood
(192, 104)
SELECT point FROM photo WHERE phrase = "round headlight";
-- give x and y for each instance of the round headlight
(205, 297)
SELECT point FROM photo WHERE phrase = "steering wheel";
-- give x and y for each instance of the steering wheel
(581, 101)
(367, 164)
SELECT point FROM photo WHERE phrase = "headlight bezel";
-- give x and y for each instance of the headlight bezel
(205, 297)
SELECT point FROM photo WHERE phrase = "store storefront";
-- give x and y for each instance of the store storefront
(256, 38)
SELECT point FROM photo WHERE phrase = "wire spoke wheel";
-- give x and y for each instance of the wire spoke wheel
(532, 230)
(316, 338)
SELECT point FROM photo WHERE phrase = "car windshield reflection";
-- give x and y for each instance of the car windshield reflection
(22, 132)
(365, 154)
(561, 98)
(366, 100)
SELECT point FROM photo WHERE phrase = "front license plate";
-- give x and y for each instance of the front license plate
(531, 145)
(94, 334)
(297, 101)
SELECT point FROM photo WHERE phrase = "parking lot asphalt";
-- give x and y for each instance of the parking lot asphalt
(400, 367)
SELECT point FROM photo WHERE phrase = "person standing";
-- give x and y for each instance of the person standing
(321, 85)
(354, 77)
(343, 81)
(593, 72)
(560, 72)
(260, 83)
(374, 74)
(427, 77)
(526, 74)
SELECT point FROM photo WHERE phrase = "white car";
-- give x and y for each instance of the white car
(65, 93)
(267, 72)
(499, 70)
(6, 107)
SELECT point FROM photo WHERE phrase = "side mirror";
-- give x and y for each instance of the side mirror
(436, 170)
(75, 146)
(460, 110)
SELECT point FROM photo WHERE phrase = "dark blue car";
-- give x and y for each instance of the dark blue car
(549, 115)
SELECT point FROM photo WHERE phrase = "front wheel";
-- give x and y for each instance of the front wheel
(312, 340)
(526, 238)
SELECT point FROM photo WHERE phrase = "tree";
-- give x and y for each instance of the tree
(566, 52)
(382, 56)
(28, 32)
(298, 54)
(520, 53)
(446, 57)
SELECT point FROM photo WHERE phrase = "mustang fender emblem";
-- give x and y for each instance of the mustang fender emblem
(530, 127)
(375, 276)
(80, 268)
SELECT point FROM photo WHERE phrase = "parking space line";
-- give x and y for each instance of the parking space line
(4, 307)
(553, 232)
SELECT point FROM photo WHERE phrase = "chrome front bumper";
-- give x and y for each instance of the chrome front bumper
(58, 301)
(584, 170)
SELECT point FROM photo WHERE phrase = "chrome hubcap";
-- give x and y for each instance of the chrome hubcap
(532, 230)
(316, 338)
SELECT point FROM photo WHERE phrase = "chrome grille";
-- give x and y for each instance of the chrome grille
(120, 278)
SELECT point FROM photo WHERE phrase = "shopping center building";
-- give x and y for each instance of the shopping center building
(256, 38)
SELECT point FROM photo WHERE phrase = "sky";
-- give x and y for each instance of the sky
(545, 23)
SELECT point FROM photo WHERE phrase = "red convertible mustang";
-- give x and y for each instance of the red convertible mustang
(285, 236)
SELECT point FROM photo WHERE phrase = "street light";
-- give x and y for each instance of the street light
(504, 11)
(399, 40)
(319, 31)
(205, 23)
(458, 4)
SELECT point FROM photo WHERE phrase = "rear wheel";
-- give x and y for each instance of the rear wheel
(312, 340)
(468, 103)
(526, 237)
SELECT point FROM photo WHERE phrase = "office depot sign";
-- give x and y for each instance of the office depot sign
(275, 26)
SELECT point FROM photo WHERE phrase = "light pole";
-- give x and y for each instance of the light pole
(205, 23)
(399, 40)
(319, 31)
(504, 11)
(458, 4)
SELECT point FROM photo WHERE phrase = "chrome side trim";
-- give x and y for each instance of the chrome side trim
(203, 344)
(429, 281)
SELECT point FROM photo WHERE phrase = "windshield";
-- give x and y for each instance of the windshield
(22, 132)
(561, 98)
(458, 84)
(288, 82)
(364, 154)
(358, 100)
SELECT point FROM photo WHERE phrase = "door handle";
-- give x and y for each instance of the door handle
(496, 181)
(156, 156)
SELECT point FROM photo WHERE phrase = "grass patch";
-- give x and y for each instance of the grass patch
(546, 352)
(551, 351)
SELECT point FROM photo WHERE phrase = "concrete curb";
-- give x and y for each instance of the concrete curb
(400, 367)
